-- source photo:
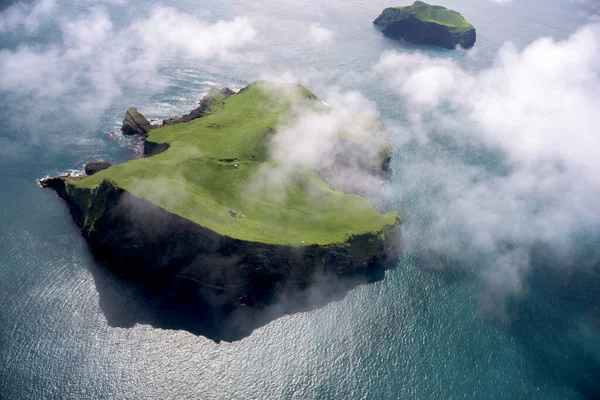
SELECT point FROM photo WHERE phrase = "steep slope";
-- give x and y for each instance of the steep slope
(422, 23)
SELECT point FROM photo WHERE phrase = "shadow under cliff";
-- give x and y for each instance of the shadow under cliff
(126, 303)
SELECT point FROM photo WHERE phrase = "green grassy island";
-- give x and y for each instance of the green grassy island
(200, 208)
(422, 23)
(211, 162)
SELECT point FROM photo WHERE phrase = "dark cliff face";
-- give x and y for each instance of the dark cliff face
(184, 276)
(142, 242)
(468, 39)
(414, 30)
(93, 167)
(135, 123)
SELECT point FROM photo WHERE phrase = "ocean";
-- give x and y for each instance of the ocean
(444, 324)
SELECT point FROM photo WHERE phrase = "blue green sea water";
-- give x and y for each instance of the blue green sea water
(71, 330)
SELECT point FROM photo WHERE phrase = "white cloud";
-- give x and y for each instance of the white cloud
(95, 58)
(537, 111)
(27, 15)
(320, 35)
(533, 98)
(591, 9)
(309, 141)
(171, 32)
(312, 142)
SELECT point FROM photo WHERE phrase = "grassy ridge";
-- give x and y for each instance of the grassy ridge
(428, 13)
(214, 166)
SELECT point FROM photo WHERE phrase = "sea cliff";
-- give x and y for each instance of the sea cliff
(187, 215)
(422, 23)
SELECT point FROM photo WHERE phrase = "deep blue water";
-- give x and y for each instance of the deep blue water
(422, 333)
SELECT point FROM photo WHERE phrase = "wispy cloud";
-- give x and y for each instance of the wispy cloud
(591, 9)
(340, 138)
(26, 15)
(535, 113)
(95, 59)
(319, 34)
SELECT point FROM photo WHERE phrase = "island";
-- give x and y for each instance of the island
(198, 212)
(422, 23)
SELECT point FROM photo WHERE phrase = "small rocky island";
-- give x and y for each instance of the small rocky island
(194, 214)
(422, 23)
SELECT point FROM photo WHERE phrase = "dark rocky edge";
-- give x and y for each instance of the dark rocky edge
(229, 280)
(399, 24)
(142, 241)
(135, 123)
(235, 285)
(206, 104)
(94, 167)
(416, 31)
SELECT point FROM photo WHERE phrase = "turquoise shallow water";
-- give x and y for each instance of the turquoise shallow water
(68, 328)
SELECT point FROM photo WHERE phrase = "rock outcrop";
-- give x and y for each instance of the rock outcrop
(94, 167)
(136, 124)
(213, 99)
(422, 23)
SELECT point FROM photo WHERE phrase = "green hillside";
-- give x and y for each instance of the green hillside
(211, 175)
(428, 13)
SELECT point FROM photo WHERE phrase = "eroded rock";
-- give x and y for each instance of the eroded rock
(94, 167)
(135, 123)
